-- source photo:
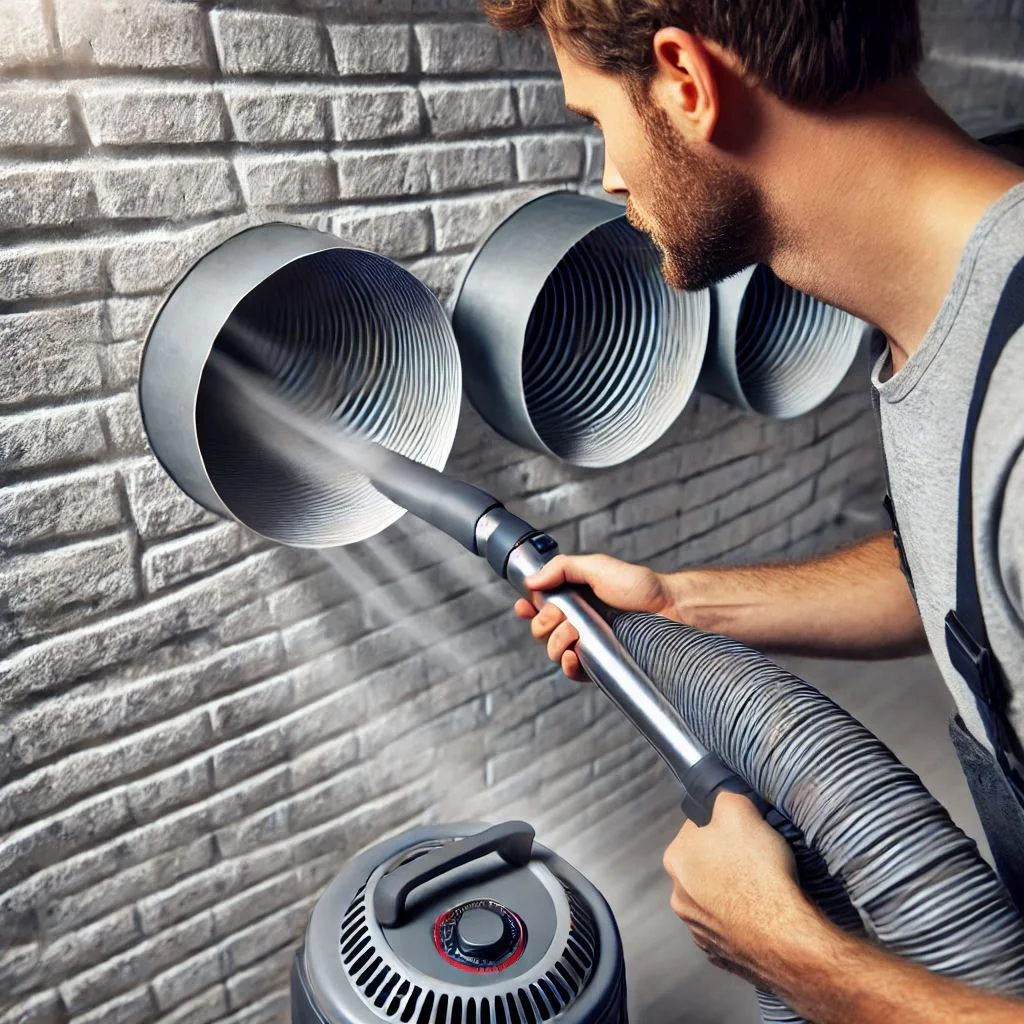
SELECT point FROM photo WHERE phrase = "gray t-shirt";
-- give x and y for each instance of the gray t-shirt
(924, 411)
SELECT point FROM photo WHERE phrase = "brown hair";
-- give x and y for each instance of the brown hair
(812, 52)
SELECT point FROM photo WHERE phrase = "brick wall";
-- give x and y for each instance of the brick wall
(196, 729)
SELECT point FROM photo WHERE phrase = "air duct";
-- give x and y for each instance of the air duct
(350, 338)
(774, 350)
(572, 344)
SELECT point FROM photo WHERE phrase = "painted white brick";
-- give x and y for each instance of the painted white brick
(23, 34)
(542, 104)
(152, 34)
(66, 435)
(195, 554)
(175, 189)
(45, 270)
(262, 42)
(549, 157)
(49, 354)
(277, 113)
(376, 113)
(43, 195)
(461, 223)
(48, 590)
(159, 507)
(34, 115)
(396, 231)
(456, 48)
(119, 114)
(371, 49)
(287, 179)
(467, 108)
(526, 51)
(58, 508)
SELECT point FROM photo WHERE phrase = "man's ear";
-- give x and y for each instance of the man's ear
(686, 82)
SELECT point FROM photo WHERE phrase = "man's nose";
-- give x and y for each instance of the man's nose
(612, 181)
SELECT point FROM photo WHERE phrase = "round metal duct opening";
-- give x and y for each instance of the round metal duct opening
(344, 335)
(572, 343)
(775, 350)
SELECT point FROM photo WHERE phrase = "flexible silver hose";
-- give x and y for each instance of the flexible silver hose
(919, 885)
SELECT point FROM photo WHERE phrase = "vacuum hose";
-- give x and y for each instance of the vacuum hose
(919, 884)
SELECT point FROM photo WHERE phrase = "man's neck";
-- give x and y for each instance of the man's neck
(874, 204)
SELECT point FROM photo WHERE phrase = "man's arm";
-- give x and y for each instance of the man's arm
(852, 603)
(735, 886)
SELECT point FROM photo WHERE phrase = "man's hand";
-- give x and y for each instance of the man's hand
(734, 885)
(629, 588)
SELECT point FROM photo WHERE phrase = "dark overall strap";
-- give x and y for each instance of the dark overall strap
(966, 636)
(878, 344)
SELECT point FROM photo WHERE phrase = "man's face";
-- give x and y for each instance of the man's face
(707, 219)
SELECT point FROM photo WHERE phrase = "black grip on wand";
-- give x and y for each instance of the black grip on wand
(711, 776)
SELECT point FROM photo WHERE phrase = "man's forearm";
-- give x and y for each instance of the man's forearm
(852, 603)
(832, 978)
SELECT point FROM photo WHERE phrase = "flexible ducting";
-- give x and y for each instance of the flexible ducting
(349, 338)
(572, 343)
(919, 884)
(773, 349)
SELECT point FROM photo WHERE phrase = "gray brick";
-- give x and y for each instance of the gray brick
(167, 907)
(261, 42)
(255, 705)
(159, 507)
(151, 261)
(59, 508)
(439, 273)
(233, 762)
(174, 189)
(383, 173)
(287, 179)
(458, 48)
(460, 166)
(33, 116)
(130, 319)
(156, 795)
(134, 634)
(376, 113)
(43, 195)
(195, 554)
(23, 35)
(88, 946)
(44, 1008)
(53, 589)
(277, 113)
(270, 1010)
(146, 115)
(119, 364)
(461, 223)
(462, 109)
(542, 104)
(210, 1006)
(93, 987)
(133, 34)
(28, 850)
(231, 915)
(134, 1007)
(393, 231)
(526, 51)
(245, 987)
(63, 436)
(371, 49)
(42, 271)
(549, 157)
(123, 420)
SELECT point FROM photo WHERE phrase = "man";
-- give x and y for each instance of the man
(797, 135)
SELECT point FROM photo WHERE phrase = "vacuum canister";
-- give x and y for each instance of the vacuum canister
(460, 924)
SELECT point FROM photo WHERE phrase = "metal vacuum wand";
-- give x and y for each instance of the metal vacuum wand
(516, 550)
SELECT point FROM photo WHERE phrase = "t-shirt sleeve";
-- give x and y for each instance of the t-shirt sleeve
(1011, 536)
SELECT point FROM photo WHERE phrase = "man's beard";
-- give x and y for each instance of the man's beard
(710, 220)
